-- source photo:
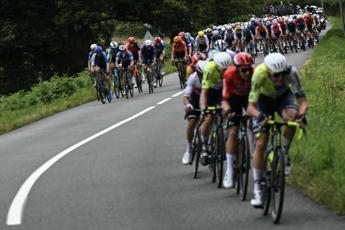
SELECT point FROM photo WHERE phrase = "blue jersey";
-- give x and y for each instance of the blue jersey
(148, 53)
(124, 58)
(99, 59)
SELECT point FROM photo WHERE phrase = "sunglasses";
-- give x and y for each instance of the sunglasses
(245, 70)
(276, 75)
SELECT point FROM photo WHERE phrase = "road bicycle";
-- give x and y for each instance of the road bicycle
(273, 181)
(103, 92)
(217, 146)
(181, 69)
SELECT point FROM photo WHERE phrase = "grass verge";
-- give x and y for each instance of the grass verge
(319, 159)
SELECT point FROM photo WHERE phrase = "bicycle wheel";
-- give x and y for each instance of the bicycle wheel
(265, 184)
(220, 155)
(130, 85)
(181, 79)
(139, 83)
(100, 90)
(277, 185)
(244, 165)
(149, 82)
(160, 80)
(212, 164)
(197, 146)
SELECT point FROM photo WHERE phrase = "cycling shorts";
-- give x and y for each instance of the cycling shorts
(214, 97)
(269, 106)
(237, 104)
(179, 55)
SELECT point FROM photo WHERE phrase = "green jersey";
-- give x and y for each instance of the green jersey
(212, 77)
(262, 84)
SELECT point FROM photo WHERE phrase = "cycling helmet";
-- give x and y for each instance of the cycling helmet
(122, 47)
(290, 20)
(231, 53)
(220, 45)
(182, 34)
(188, 35)
(131, 40)
(93, 47)
(148, 43)
(200, 66)
(201, 33)
(215, 32)
(113, 44)
(177, 39)
(238, 27)
(275, 62)
(222, 60)
(243, 59)
(158, 40)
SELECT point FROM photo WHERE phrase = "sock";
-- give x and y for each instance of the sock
(286, 144)
(229, 164)
(251, 140)
(257, 174)
(189, 147)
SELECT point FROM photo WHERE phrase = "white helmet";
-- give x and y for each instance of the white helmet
(122, 47)
(93, 47)
(113, 44)
(276, 62)
(148, 43)
(215, 32)
(200, 66)
(231, 53)
(220, 45)
(222, 60)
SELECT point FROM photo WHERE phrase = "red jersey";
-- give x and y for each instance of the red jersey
(233, 84)
(180, 48)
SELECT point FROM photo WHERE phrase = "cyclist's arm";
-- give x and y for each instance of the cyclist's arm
(302, 105)
(185, 52)
(93, 62)
(172, 52)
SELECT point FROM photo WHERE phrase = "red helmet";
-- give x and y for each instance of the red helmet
(158, 40)
(131, 40)
(182, 34)
(243, 59)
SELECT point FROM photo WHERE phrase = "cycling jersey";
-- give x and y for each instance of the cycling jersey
(193, 85)
(124, 58)
(211, 54)
(212, 77)
(112, 54)
(148, 53)
(90, 55)
(233, 84)
(283, 27)
(134, 49)
(229, 37)
(262, 30)
(238, 34)
(215, 38)
(291, 27)
(159, 49)
(201, 42)
(180, 47)
(100, 60)
(263, 85)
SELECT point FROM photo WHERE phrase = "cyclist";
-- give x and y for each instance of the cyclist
(229, 36)
(238, 37)
(262, 32)
(301, 26)
(236, 87)
(93, 48)
(99, 63)
(274, 86)
(188, 43)
(160, 52)
(148, 57)
(134, 48)
(277, 32)
(191, 101)
(211, 95)
(219, 46)
(310, 23)
(215, 37)
(111, 56)
(190, 40)
(248, 37)
(201, 42)
(124, 60)
(179, 52)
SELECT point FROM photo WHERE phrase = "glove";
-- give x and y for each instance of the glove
(302, 118)
(262, 117)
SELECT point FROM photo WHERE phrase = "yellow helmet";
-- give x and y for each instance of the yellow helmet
(238, 27)
(177, 39)
(201, 33)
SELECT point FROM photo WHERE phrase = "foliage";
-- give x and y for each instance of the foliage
(319, 160)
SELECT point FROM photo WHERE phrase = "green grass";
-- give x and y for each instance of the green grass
(319, 159)
(44, 99)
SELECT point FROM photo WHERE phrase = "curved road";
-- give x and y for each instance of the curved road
(131, 177)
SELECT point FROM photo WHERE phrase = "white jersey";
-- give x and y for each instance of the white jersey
(193, 85)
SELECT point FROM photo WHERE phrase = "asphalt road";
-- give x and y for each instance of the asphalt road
(130, 177)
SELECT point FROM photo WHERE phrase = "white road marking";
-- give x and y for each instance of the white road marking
(163, 101)
(15, 212)
(177, 94)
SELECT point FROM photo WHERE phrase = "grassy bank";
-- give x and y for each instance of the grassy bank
(319, 159)
(44, 99)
